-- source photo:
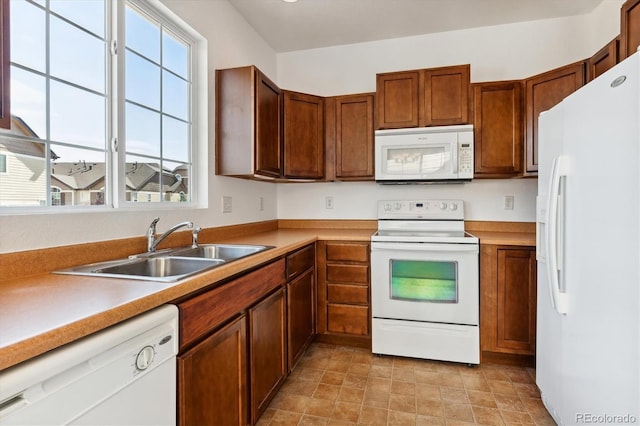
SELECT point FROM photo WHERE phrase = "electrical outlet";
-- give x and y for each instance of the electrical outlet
(328, 202)
(227, 204)
(508, 202)
(261, 203)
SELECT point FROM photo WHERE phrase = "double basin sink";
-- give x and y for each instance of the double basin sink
(168, 265)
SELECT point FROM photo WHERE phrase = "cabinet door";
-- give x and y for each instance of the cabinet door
(508, 301)
(516, 297)
(605, 58)
(212, 379)
(629, 28)
(354, 137)
(542, 93)
(397, 98)
(5, 114)
(301, 315)
(446, 96)
(498, 132)
(267, 348)
(303, 136)
(268, 143)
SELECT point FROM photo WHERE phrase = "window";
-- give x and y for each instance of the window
(3, 163)
(105, 111)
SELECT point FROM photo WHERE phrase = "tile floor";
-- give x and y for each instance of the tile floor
(335, 385)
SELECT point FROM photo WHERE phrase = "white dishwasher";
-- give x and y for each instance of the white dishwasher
(124, 375)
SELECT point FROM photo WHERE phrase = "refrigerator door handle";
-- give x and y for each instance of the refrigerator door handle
(554, 237)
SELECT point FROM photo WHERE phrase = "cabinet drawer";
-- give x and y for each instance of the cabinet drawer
(203, 313)
(339, 273)
(300, 261)
(351, 252)
(348, 319)
(339, 293)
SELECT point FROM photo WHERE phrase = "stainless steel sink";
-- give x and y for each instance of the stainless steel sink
(161, 267)
(220, 251)
(150, 269)
(167, 265)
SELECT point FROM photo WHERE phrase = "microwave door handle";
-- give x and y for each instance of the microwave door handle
(454, 150)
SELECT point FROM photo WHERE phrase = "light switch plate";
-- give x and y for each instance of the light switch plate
(227, 204)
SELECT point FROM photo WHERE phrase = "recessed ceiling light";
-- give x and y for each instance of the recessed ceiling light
(290, 1)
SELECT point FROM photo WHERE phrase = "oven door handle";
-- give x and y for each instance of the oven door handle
(458, 248)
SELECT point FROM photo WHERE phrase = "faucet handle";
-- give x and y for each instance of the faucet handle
(195, 233)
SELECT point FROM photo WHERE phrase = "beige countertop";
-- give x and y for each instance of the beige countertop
(41, 312)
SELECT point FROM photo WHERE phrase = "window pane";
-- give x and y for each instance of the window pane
(143, 130)
(175, 55)
(175, 139)
(76, 56)
(142, 179)
(77, 116)
(175, 96)
(28, 101)
(25, 182)
(28, 37)
(79, 174)
(142, 35)
(88, 14)
(175, 182)
(142, 83)
(424, 281)
(3, 163)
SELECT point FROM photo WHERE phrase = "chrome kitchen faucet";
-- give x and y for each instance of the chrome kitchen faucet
(152, 242)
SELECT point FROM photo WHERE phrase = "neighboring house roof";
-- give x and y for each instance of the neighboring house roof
(139, 177)
(80, 175)
(22, 146)
(145, 177)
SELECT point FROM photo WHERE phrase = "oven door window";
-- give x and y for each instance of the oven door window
(424, 281)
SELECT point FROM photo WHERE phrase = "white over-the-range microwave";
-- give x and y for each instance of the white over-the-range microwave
(424, 154)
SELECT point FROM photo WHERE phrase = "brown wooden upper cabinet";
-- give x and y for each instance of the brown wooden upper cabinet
(349, 137)
(542, 92)
(418, 98)
(5, 114)
(248, 124)
(303, 136)
(604, 59)
(446, 95)
(629, 28)
(498, 111)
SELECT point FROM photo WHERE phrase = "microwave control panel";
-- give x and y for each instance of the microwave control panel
(465, 158)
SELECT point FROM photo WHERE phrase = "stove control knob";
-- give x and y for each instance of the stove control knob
(397, 206)
(443, 206)
(453, 207)
(387, 207)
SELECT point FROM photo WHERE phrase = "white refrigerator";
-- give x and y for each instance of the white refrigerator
(588, 251)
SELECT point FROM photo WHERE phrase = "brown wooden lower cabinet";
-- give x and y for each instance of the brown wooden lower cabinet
(344, 308)
(508, 304)
(301, 302)
(268, 351)
(233, 349)
(212, 378)
(301, 314)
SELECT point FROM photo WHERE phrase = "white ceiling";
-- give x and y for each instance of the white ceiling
(310, 24)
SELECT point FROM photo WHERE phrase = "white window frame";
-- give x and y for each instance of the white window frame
(199, 130)
(115, 195)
